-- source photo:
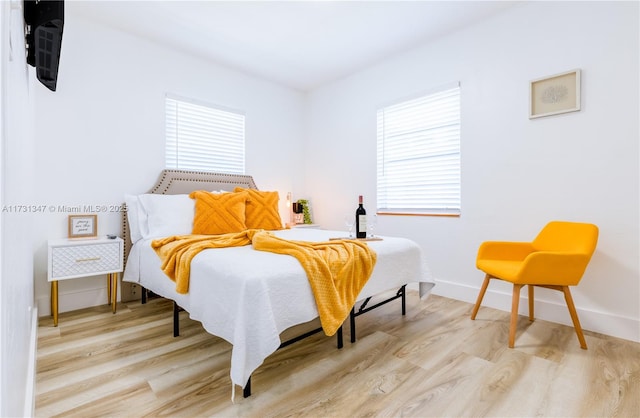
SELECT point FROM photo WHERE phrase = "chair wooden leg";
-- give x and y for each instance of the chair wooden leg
(574, 316)
(483, 289)
(514, 314)
(531, 317)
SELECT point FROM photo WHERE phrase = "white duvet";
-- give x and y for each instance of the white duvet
(249, 297)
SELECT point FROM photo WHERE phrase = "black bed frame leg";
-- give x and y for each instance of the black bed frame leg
(404, 299)
(352, 325)
(176, 320)
(340, 341)
(246, 391)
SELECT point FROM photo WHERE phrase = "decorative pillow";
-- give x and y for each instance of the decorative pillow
(219, 213)
(262, 209)
(166, 215)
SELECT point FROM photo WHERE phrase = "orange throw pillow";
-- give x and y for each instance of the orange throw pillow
(262, 209)
(219, 213)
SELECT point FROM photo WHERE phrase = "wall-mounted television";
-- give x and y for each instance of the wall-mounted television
(44, 20)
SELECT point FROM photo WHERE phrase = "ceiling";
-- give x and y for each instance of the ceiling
(299, 44)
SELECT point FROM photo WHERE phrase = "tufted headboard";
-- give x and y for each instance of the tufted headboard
(184, 182)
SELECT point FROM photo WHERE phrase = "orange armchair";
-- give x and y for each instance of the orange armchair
(556, 259)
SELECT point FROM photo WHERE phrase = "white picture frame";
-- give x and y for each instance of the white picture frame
(554, 94)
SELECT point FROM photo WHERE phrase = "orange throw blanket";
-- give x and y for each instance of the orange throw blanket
(176, 252)
(337, 270)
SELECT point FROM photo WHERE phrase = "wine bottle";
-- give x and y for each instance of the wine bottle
(361, 220)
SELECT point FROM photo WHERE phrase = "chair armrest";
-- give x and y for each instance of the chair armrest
(504, 250)
(554, 268)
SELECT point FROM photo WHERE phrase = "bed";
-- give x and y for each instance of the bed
(244, 296)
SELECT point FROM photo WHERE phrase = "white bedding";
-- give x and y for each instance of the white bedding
(249, 297)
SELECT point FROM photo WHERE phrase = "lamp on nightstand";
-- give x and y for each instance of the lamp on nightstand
(290, 210)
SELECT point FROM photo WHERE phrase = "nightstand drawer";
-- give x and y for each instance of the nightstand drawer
(85, 259)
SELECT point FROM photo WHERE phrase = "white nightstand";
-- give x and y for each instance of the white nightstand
(73, 258)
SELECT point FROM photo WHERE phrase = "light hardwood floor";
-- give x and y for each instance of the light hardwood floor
(433, 362)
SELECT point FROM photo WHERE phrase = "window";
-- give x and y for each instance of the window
(419, 155)
(203, 137)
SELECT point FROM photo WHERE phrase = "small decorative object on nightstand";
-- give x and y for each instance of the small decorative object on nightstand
(306, 211)
(298, 215)
(72, 258)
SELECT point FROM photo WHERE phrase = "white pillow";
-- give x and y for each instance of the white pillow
(134, 218)
(166, 215)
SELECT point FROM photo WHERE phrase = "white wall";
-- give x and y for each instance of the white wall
(17, 313)
(101, 134)
(517, 173)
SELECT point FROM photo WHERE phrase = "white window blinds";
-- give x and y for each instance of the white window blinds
(203, 137)
(419, 155)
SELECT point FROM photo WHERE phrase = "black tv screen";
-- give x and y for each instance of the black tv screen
(45, 21)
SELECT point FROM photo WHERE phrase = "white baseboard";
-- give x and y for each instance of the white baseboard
(30, 389)
(73, 300)
(601, 322)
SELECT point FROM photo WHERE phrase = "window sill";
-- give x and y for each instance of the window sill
(449, 215)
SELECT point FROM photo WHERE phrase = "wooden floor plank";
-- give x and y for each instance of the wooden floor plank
(435, 361)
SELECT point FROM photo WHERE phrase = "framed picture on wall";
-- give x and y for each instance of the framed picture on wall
(83, 226)
(555, 94)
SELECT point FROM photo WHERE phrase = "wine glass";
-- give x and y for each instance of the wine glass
(349, 220)
(371, 224)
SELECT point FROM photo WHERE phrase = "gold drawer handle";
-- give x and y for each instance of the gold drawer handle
(81, 260)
